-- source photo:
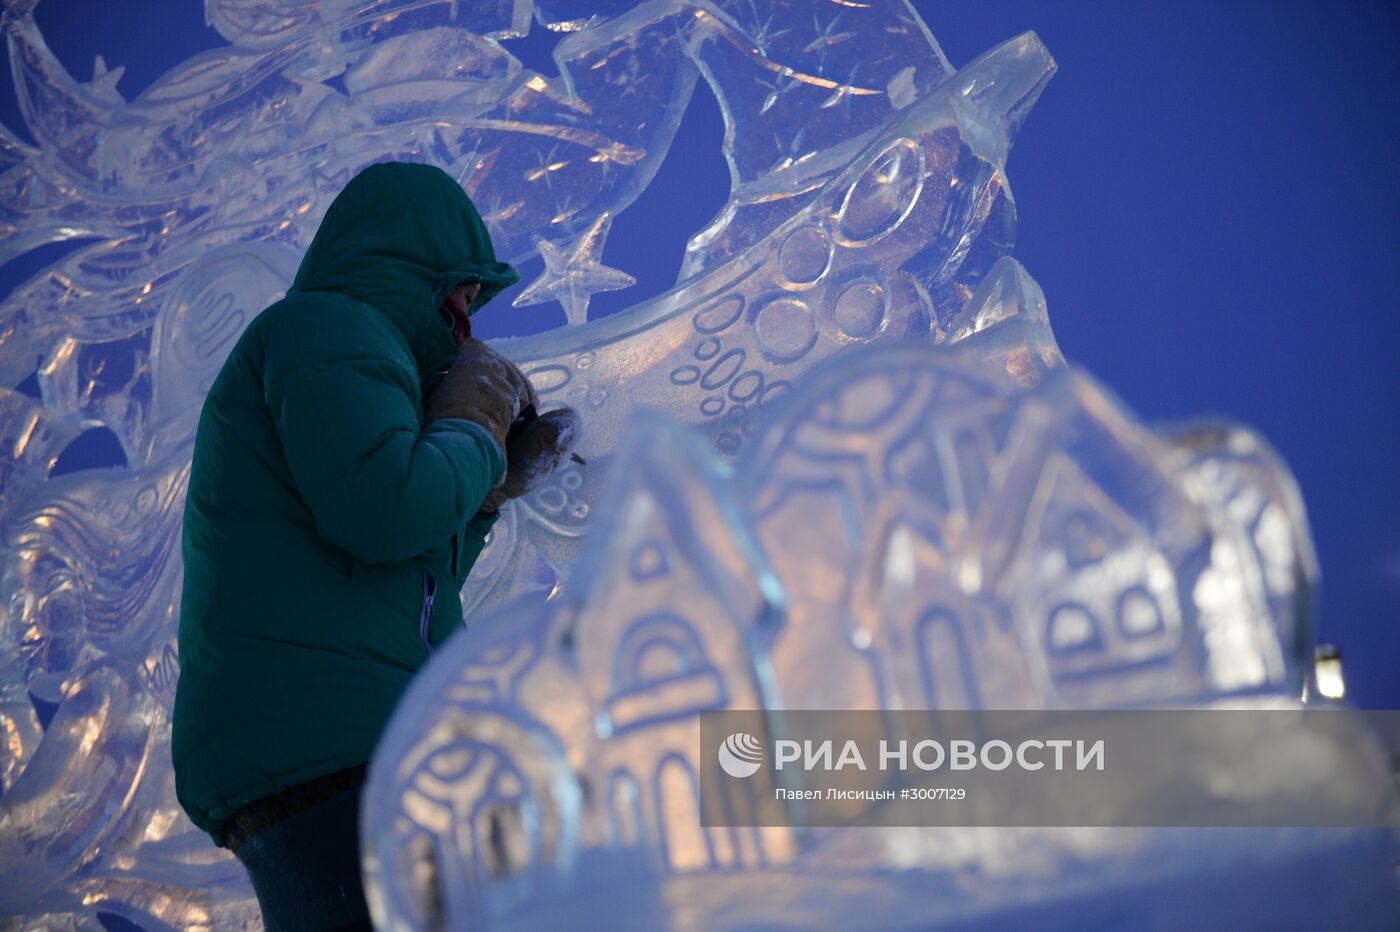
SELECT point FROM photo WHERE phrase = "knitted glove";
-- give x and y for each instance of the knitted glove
(481, 386)
(533, 452)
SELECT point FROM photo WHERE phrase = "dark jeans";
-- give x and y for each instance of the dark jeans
(306, 870)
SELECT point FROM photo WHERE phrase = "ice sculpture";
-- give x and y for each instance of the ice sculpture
(911, 529)
(868, 205)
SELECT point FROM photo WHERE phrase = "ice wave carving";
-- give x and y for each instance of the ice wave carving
(867, 204)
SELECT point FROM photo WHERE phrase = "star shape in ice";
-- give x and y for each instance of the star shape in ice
(627, 78)
(843, 93)
(546, 164)
(825, 39)
(764, 34)
(782, 84)
(790, 150)
(572, 274)
(498, 211)
(104, 81)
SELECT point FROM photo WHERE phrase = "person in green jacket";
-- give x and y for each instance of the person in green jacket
(349, 462)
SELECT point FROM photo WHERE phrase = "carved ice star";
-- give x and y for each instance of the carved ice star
(627, 78)
(764, 34)
(825, 39)
(782, 84)
(104, 81)
(843, 93)
(573, 274)
(546, 165)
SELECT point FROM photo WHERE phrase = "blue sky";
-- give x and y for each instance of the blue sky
(1205, 193)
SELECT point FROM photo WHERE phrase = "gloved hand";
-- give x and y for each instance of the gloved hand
(534, 452)
(482, 386)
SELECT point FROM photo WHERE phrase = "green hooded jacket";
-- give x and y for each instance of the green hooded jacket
(328, 529)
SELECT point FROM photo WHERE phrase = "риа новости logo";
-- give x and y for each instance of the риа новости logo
(740, 755)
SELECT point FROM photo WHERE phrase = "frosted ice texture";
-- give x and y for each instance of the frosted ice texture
(1075, 557)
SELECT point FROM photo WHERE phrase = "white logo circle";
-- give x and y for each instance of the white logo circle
(740, 755)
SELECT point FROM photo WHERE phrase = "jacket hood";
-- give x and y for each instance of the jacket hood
(399, 237)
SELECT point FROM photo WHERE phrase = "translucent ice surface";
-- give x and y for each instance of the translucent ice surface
(909, 529)
(771, 531)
